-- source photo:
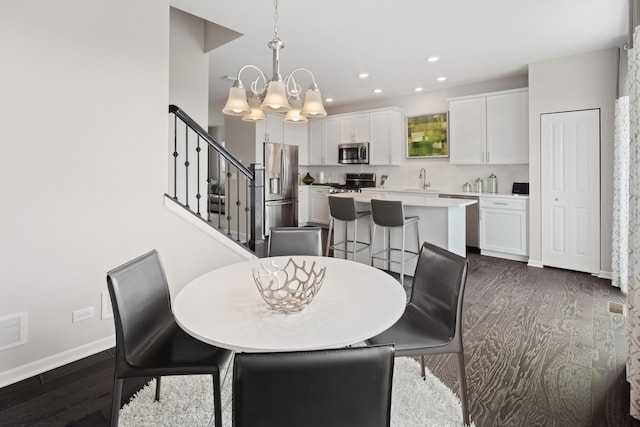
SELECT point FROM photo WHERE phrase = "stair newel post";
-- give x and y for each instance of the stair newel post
(186, 167)
(256, 240)
(175, 157)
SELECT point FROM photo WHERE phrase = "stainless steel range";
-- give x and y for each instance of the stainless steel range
(353, 182)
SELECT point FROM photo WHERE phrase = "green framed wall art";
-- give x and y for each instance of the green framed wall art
(427, 136)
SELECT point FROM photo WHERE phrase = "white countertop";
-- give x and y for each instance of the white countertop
(409, 199)
(437, 191)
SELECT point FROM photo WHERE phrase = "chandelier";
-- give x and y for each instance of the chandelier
(278, 95)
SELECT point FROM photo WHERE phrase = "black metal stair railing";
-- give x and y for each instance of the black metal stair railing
(203, 168)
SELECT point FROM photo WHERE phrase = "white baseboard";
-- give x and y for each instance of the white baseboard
(38, 367)
(604, 274)
(535, 263)
(495, 254)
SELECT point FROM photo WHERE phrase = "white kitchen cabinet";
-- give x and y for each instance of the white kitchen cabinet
(298, 134)
(504, 228)
(303, 205)
(273, 128)
(491, 128)
(386, 137)
(324, 137)
(319, 205)
(317, 147)
(331, 140)
(354, 128)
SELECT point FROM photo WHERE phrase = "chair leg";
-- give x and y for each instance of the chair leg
(157, 398)
(404, 242)
(424, 375)
(217, 400)
(463, 388)
(355, 238)
(329, 236)
(373, 236)
(115, 401)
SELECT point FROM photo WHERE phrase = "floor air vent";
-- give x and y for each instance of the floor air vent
(616, 308)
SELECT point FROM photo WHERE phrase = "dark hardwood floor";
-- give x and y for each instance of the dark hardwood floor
(540, 350)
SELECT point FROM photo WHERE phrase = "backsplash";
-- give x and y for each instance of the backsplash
(440, 174)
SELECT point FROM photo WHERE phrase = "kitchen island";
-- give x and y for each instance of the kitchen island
(442, 222)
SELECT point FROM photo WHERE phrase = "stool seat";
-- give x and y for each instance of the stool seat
(344, 209)
(389, 214)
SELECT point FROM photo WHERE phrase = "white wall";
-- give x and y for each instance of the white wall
(578, 82)
(440, 172)
(85, 90)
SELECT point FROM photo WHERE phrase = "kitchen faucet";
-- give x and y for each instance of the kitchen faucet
(423, 177)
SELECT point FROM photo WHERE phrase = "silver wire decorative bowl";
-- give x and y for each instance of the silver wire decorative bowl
(290, 288)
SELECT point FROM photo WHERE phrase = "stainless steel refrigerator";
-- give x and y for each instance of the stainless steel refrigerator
(280, 186)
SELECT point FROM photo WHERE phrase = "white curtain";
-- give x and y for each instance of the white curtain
(620, 249)
(633, 295)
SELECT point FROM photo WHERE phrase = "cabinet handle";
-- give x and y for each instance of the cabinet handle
(500, 203)
(488, 152)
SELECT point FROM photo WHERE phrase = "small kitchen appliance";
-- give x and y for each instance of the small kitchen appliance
(356, 153)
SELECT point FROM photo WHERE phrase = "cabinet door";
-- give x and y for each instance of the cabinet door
(503, 230)
(298, 134)
(319, 206)
(386, 136)
(303, 206)
(331, 141)
(317, 147)
(275, 128)
(354, 128)
(507, 128)
(467, 130)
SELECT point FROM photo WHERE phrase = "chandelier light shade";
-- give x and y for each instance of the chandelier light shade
(293, 115)
(276, 95)
(256, 114)
(237, 101)
(313, 103)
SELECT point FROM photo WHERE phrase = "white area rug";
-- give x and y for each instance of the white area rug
(187, 401)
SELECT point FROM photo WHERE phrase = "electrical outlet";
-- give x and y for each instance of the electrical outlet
(106, 310)
(83, 314)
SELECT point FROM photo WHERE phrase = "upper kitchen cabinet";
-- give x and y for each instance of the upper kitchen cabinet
(354, 128)
(490, 128)
(273, 128)
(386, 137)
(298, 134)
(324, 136)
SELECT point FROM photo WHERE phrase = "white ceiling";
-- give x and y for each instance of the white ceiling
(476, 40)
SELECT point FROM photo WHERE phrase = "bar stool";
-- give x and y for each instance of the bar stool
(389, 214)
(344, 209)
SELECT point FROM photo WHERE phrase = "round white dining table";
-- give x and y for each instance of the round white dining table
(224, 307)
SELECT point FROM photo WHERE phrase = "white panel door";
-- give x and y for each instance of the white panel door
(570, 178)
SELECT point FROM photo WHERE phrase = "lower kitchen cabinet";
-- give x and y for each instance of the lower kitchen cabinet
(504, 228)
(303, 205)
(319, 205)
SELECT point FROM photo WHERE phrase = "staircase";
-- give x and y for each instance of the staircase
(213, 185)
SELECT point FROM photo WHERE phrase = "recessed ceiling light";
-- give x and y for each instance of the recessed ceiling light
(441, 79)
(363, 75)
(377, 90)
(329, 99)
(419, 89)
(433, 58)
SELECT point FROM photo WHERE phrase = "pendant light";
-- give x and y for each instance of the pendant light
(276, 95)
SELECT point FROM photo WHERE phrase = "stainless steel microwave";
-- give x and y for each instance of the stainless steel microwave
(356, 153)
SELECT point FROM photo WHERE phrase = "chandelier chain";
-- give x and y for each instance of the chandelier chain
(275, 18)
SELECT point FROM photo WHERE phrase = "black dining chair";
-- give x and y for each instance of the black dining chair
(344, 387)
(295, 241)
(149, 342)
(432, 321)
